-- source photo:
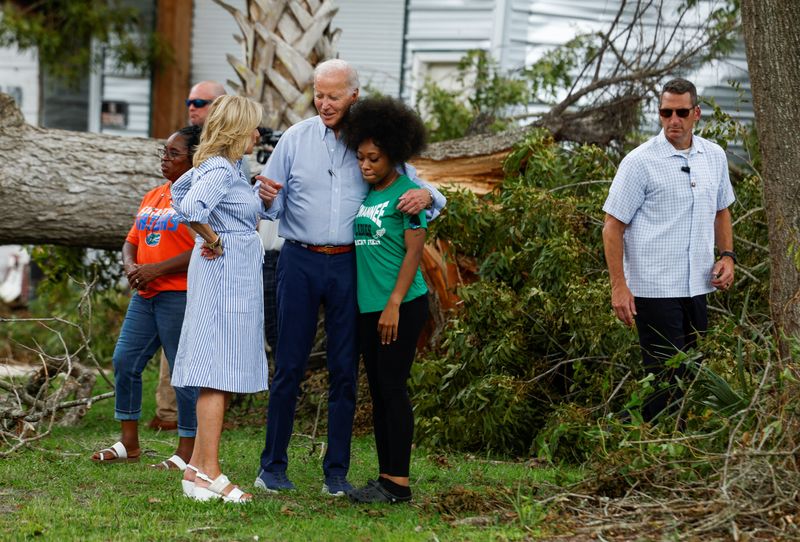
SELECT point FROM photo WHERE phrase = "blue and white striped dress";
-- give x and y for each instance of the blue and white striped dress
(222, 339)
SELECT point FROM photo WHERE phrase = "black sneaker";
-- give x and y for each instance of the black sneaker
(375, 492)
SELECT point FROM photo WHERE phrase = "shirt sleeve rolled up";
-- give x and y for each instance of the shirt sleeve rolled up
(208, 188)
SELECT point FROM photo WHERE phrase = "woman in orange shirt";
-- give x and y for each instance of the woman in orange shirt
(156, 258)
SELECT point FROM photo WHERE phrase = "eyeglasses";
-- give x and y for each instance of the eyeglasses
(198, 103)
(164, 154)
(667, 112)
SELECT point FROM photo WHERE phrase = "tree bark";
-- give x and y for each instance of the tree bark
(773, 59)
(70, 188)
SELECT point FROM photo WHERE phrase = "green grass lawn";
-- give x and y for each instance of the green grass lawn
(54, 492)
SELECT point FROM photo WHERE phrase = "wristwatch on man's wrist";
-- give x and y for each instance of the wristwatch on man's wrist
(729, 253)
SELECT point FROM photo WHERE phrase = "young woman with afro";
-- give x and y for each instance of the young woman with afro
(392, 296)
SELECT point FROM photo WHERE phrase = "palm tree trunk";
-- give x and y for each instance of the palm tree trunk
(282, 41)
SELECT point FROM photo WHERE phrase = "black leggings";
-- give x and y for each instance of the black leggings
(388, 367)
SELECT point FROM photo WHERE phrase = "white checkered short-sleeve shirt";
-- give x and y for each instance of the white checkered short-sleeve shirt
(670, 212)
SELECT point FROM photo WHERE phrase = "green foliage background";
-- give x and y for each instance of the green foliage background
(534, 358)
(79, 300)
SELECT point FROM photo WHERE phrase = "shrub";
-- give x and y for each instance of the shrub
(534, 359)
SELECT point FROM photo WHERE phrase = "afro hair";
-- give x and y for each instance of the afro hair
(392, 126)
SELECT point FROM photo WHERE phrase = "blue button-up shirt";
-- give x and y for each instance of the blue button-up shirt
(322, 185)
(670, 213)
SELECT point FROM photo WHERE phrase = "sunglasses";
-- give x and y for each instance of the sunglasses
(198, 103)
(667, 112)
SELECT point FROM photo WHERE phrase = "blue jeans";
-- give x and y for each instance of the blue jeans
(307, 280)
(149, 324)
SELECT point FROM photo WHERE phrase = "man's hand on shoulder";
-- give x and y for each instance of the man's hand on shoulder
(415, 201)
(623, 303)
(268, 190)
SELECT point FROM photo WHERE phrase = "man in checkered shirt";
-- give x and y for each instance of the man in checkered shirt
(666, 210)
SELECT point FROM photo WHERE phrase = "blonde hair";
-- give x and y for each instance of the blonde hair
(228, 127)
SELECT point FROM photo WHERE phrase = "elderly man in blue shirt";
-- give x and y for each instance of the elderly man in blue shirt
(313, 184)
(666, 210)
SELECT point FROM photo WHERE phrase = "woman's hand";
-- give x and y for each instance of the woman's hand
(139, 276)
(387, 324)
(211, 250)
(211, 254)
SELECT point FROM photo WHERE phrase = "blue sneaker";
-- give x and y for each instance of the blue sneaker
(336, 486)
(273, 482)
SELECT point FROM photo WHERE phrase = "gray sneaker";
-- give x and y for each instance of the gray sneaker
(336, 486)
(273, 482)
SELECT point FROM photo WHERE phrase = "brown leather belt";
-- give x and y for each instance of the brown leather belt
(330, 250)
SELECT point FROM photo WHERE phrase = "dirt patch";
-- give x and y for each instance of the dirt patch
(11, 500)
(459, 501)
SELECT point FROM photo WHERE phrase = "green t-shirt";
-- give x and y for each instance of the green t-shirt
(380, 246)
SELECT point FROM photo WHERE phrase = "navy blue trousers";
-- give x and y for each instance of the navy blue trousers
(667, 326)
(307, 280)
(269, 271)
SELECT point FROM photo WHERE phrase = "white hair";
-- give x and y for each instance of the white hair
(337, 65)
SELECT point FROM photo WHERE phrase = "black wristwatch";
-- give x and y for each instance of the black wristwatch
(731, 254)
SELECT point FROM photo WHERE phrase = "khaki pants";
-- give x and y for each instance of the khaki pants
(166, 406)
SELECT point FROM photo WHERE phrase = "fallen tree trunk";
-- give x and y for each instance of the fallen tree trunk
(83, 189)
(474, 163)
(70, 188)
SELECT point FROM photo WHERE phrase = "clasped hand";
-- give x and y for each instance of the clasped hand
(140, 275)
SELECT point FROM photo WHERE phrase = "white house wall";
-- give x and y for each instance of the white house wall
(440, 32)
(132, 88)
(372, 37)
(213, 29)
(519, 32)
(19, 76)
(537, 26)
(372, 40)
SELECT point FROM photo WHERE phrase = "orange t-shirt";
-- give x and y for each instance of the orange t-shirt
(159, 236)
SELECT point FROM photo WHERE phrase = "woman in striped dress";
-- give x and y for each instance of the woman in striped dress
(221, 349)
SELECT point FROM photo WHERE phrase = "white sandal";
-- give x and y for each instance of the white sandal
(188, 485)
(175, 460)
(120, 455)
(214, 491)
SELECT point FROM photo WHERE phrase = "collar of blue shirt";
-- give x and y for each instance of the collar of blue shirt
(321, 127)
(698, 145)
